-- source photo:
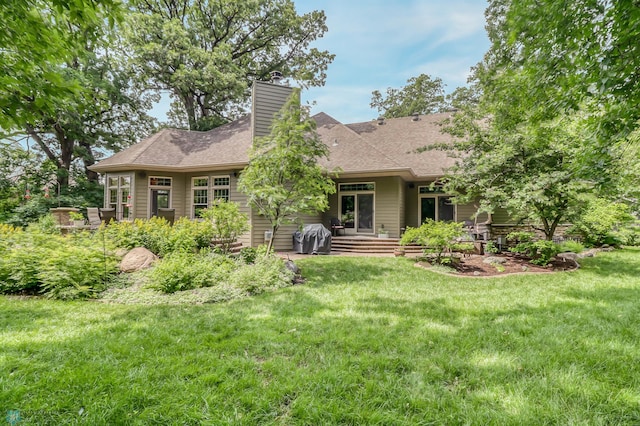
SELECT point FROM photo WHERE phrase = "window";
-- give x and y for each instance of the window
(160, 194)
(119, 196)
(436, 207)
(221, 188)
(351, 187)
(356, 206)
(200, 190)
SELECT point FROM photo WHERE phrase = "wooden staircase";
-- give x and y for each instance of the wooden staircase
(360, 244)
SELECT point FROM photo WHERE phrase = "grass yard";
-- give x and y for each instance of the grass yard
(365, 341)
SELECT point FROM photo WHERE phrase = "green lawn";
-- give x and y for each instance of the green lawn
(365, 341)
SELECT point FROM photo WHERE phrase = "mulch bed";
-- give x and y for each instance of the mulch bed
(474, 266)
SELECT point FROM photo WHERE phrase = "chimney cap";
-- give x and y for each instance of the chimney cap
(276, 77)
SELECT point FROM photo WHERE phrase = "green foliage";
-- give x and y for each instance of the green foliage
(181, 271)
(248, 254)
(520, 237)
(266, 273)
(158, 236)
(571, 246)
(540, 251)
(283, 179)
(435, 236)
(59, 267)
(603, 222)
(491, 248)
(421, 95)
(227, 221)
(206, 53)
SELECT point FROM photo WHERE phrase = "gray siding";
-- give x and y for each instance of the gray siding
(283, 239)
(268, 99)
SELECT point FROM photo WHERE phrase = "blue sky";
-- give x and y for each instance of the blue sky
(380, 44)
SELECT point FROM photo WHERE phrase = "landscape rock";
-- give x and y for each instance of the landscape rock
(567, 256)
(137, 259)
(494, 260)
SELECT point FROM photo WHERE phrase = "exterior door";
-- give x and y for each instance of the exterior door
(356, 212)
(159, 200)
(436, 208)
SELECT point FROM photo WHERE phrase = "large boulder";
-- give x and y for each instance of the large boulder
(137, 259)
(494, 260)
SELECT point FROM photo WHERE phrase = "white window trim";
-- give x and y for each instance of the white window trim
(194, 188)
(358, 192)
(435, 195)
(212, 180)
(152, 187)
(107, 198)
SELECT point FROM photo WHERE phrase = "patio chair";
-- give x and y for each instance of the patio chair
(336, 226)
(107, 215)
(168, 214)
(94, 217)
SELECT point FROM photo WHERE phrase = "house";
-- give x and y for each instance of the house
(383, 181)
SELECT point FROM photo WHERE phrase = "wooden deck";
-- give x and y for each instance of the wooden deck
(365, 245)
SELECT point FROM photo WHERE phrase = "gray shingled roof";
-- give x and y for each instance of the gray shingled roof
(361, 148)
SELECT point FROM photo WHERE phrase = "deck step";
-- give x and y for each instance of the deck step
(349, 244)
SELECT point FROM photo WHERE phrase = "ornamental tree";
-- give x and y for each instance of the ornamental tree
(283, 179)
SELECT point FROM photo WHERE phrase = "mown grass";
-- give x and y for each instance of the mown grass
(364, 341)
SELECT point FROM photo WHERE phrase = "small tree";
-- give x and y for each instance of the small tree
(435, 237)
(283, 179)
(228, 222)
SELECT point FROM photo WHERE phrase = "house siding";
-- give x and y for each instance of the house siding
(268, 99)
(284, 236)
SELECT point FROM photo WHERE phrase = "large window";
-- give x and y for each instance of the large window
(220, 187)
(200, 190)
(436, 207)
(160, 194)
(206, 189)
(357, 201)
(119, 195)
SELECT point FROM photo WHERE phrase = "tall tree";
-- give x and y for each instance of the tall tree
(36, 38)
(283, 179)
(206, 53)
(422, 95)
(73, 97)
(552, 122)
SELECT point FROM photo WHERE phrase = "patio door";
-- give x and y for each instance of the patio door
(159, 199)
(356, 212)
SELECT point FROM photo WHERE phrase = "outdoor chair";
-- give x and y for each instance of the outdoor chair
(168, 214)
(94, 217)
(336, 226)
(107, 215)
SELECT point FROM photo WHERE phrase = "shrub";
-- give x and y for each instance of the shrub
(180, 271)
(59, 267)
(436, 237)
(268, 272)
(518, 237)
(159, 237)
(571, 246)
(540, 251)
(603, 222)
(227, 221)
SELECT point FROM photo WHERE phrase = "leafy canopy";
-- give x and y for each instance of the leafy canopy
(206, 53)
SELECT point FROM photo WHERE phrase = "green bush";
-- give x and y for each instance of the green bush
(540, 251)
(227, 221)
(435, 237)
(518, 237)
(571, 246)
(603, 222)
(158, 236)
(268, 272)
(180, 271)
(71, 267)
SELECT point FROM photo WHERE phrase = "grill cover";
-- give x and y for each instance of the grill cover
(314, 239)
